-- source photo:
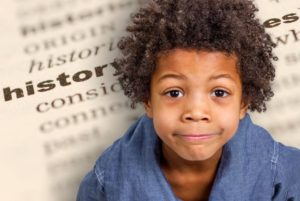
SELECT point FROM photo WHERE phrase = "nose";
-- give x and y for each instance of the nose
(196, 109)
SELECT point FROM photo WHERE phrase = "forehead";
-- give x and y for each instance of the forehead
(195, 62)
(191, 55)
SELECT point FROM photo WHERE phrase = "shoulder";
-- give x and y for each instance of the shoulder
(289, 162)
(129, 144)
(137, 143)
(287, 177)
(285, 164)
(285, 160)
(91, 187)
(140, 133)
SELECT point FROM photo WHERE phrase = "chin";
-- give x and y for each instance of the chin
(197, 156)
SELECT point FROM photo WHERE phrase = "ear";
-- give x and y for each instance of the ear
(148, 108)
(243, 109)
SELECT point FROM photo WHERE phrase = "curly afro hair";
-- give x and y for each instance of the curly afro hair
(229, 26)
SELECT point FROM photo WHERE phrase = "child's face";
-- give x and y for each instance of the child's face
(196, 102)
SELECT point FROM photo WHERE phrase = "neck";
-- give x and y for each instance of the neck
(189, 180)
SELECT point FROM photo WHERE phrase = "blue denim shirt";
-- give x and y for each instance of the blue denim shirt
(253, 167)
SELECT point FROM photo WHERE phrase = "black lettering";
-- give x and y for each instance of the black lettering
(26, 30)
(76, 118)
(84, 56)
(96, 50)
(95, 112)
(72, 98)
(115, 107)
(112, 45)
(116, 67)
(62, 78)
(50, 43)
(50, 64)
(78, 36)
(103, 88)
(62, 122)
(55, 23)
(91, 94)
(45, 86)
(272, 23)
(87, 75)
(295, 34)
(8, 93)
(31, 48)
(61, 60)
(64, 40)
(116, 87)
(58, 103)
(99, 70)
(46, 127)
(289, 18)
(281, 40)
(72, 56)
(29, 88)
(34, 63)
(40, 109)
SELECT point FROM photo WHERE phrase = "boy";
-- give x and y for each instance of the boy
(198, 66)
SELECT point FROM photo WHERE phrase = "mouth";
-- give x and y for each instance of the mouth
(197, 137)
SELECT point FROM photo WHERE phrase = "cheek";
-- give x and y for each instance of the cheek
(229, 122)
(164, 112)
(164, 121)
(228, 117)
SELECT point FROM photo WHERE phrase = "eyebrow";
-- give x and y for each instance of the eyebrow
(227, 76)
(183, 77)
(171, 75)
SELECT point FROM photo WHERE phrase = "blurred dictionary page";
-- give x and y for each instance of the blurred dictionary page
(282, 20)
(60, 102)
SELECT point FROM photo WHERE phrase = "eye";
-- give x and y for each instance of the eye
(220, 93)
(174, 93)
